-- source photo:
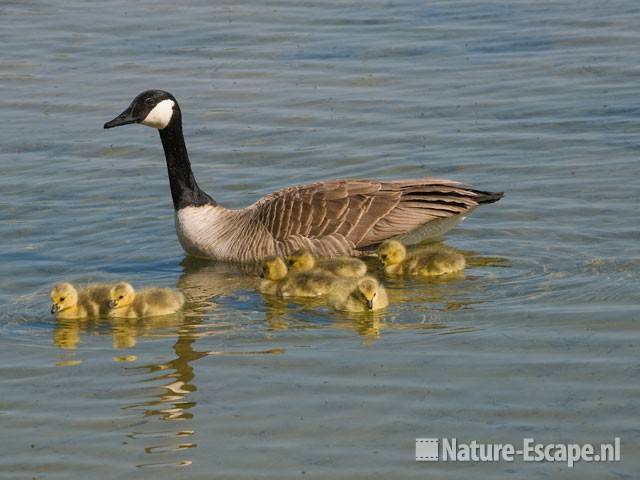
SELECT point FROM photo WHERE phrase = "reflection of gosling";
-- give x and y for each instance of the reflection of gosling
(123, 333)
(149, 302)
(304, 261)
(367, 295)
(277, 280)
(90, 301)
(66, 334)
(393, 255)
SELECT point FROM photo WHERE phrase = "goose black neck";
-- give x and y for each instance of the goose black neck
(184, 188)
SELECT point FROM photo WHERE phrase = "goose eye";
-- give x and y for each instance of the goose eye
(120, 297)
(149, 101)
(62, 299)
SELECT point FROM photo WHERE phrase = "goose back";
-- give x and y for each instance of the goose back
(341, 217)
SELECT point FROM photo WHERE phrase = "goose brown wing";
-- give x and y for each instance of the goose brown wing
(337, 217)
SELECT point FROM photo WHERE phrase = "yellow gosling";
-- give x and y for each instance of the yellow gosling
(367, 295)
(274, 270)
(393, 255)
(278, 280)
(314, 283)
(346, 267)
(90, 301)
(98, 294)
(125, 302)
(437, 263)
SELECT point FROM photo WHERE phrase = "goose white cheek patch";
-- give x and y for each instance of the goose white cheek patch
(160, 116)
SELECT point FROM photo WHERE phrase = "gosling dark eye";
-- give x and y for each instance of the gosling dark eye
(62, 299)
(120, 297)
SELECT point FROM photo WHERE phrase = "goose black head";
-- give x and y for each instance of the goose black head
(154, 108)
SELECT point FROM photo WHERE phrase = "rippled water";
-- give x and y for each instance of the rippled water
(540, 339)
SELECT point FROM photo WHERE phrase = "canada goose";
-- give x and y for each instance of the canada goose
(90, 301)
(304, 261)
(150, 302)
(331, 218)
(366, 295)
(393, 255)
(278, 280)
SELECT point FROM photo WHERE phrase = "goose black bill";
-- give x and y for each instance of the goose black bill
(125, 118)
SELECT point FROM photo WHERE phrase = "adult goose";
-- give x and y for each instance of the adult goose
(332, 218)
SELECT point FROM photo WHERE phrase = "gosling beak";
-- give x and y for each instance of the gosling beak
(370, 304)
(124, 118)
(55, 308)
(113, 303)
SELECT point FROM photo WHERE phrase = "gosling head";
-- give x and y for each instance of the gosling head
(154, 108)
(121, 295)
(63, 296)
(301, 261)
(274, 269)
(392, 252)
(368, 290)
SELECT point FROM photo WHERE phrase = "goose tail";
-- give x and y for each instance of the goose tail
(487, 197)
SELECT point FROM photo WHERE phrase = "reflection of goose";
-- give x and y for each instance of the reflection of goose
(202, 281)
(331, 218)
(172, 404)
(304, 261)
(176, 376)
(393, 255)
(89, 301)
